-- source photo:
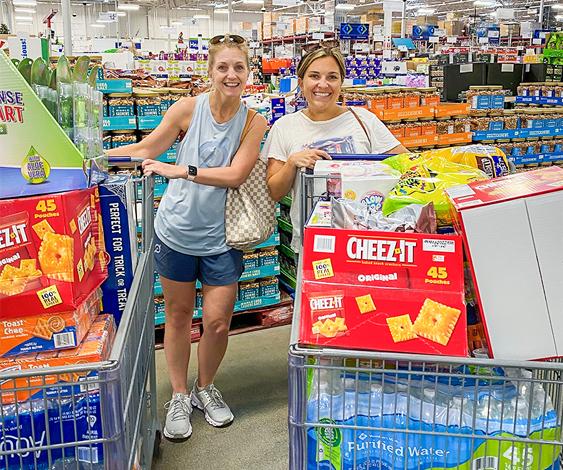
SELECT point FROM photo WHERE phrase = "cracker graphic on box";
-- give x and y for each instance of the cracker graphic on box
(401, 328)
(41, 228)
(436, 321)
(56, 256)
(365, 303)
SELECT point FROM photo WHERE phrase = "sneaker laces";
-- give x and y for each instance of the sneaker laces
(179, 407)
(214, 396)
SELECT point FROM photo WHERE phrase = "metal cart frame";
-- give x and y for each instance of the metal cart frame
(116, 397)
(366, 409)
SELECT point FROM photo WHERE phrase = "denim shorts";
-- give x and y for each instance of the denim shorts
(216, 270)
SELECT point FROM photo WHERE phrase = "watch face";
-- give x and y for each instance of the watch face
(192, 170)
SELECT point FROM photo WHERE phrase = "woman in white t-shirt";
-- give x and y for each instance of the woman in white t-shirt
(298, 140)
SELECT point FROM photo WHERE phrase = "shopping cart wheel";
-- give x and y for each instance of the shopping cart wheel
(157, 441)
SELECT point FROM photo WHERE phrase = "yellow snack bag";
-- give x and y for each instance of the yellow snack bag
(424, 179)
(486, 158)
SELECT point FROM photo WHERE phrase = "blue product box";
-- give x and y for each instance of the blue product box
(269, 287)
(115, 111)
(107, 144)
(251, 261)
(557, 148)
(545, 148)
(66, 420)
(149, 110)
(249, 290)
(496, 126)
(199, 299)
(278, 109)
(269, 258)
(551, 123)
(530, 149)
(115, 145)
(516, 152)
(117, 203)
(536, 124)
(481, 102)
(497, 101)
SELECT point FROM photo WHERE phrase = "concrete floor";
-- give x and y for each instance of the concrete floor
(253, 381)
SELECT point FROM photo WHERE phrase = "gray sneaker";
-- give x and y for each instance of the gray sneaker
(210, 401)
(178, 425)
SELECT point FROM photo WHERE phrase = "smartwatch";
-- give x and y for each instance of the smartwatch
(191, 173)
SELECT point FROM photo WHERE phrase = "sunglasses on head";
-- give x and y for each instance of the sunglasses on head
(223, 38)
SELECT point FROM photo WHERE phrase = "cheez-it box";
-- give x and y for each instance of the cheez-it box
(52, 252)
(512, 229)
(383, 291)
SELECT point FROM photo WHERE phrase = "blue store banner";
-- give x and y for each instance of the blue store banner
(354, 31)
(423, 31)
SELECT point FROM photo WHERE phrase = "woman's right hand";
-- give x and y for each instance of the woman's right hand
(307, 158)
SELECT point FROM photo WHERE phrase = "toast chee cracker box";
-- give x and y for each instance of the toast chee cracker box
(95, 348)
(383, 291)
(48, 332)
(52, 253)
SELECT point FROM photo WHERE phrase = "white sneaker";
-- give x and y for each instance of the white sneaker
(178, 425)
(210, 401)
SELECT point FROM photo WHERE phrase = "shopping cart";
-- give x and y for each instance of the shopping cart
(103, 416)
(352, 409)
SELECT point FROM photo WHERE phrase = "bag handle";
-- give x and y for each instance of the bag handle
(250, 115)
(361, 124)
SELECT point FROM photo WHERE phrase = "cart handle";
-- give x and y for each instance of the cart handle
(125, 160)
(359, 156)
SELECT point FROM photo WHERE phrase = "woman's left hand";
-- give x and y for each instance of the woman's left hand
(154, 167)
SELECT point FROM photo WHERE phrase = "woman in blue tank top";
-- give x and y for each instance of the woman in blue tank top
(190, 225)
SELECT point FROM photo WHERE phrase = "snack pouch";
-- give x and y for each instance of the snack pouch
(424, 180)
(487, 158)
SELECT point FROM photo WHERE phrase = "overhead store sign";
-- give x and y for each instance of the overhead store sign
(354, 31)
(505, 13)
(285, 3)
(108, 16)
(423, 32)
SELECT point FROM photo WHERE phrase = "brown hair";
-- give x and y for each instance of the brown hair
(319, 53)
(215, 48)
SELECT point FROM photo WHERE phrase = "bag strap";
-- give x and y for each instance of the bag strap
(361, 124)
(250, 115)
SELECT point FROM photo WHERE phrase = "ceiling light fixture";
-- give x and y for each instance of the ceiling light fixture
(25, 3)
(253, 2)
(559, 17)
(344, 6)
(201, 17)
(121, 14)
(97, 25)
(24, 10)
(426, 11)
(24, 18)
(128, 7)
(222, 11)
(557, 7)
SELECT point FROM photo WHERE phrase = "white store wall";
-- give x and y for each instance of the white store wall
(144, 23)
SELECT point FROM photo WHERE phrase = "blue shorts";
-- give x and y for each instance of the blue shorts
(215, 270)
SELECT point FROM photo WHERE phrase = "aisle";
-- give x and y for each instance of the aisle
(253, 379)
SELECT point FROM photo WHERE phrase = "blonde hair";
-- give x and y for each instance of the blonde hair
(319, 53)
(215, 48)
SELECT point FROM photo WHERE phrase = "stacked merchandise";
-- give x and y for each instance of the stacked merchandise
(288, 258)
(53, 262)
(364, 67)
(256, 69)
(415, 115)
(378, 276)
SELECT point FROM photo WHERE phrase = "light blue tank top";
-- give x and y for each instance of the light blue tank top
(191, 216)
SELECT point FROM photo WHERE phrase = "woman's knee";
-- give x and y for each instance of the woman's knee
(178, 315)
(217, 326)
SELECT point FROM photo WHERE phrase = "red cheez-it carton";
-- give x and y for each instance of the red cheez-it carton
(52, 254)
(383, 291)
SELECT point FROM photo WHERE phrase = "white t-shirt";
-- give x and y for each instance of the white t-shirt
(295, 132)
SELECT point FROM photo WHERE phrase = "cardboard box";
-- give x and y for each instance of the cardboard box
(512, 231)
(301, 25)
(267, 31)
(117, 203)
(52, 253)
(95, 348)
(383, 291)
(48, 332)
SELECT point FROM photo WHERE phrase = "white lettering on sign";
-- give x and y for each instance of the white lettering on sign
(12, 235)
(84, 220)
(325, 303)
(394, 251)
